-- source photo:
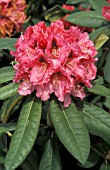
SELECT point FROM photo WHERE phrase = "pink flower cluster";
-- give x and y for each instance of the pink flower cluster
(12, 16)
(68, 7)
(106, 11)
(54, 60)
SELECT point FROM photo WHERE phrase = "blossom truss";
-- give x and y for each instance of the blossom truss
(54, 60)
(12, 16)
(106, 12)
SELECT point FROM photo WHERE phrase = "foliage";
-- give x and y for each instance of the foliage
(35, 134)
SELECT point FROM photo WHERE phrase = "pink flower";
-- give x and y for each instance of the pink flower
(54, 60)
(12, 16)
(25, 88)
(66, 23)
(106, 12)
(108, 1)
(68, 7)
(83, 9)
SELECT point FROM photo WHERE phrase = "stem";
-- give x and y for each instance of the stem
(98, 152)
(7, 114)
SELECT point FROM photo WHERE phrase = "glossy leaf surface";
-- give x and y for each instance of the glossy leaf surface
(25, 133)
(107, 68)
(71, 130)
(7, 43)
(6, 74)
(100, 90)
(75, 1)
(87, 19)
(8, 91)
(97, 121)
(50, 159)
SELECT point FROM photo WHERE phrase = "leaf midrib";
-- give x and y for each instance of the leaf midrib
(90, 16)
(100, 122)
(23, 132)
(5, 74)
(8, 86)
(87, 17)
(72, 131)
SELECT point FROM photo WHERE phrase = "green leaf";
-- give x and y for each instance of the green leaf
(7, 43)
(9, 107)
(99, 80)
(98, 5)
(54, 13)
(71, 130)
(35, 20)
(91, 161)
(107, 68)
(103, 30)
(56, 156)
(1, 159)
(97, 121)
(3, 149)
(8, 91)
(105, 166)
(87, 19)
(31, 162)
(7, 127)
(3, 143)
(107, 102)
(25, 133)
(99, 90)
(3, 109)
(6, 74)
(12, 105)
(84, 5)
(100, 40)
(75, 1)
(99, 56)
(50, 159)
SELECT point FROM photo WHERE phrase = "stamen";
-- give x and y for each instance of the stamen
(55, 52)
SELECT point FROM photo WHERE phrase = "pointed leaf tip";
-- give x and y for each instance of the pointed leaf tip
(71, 130)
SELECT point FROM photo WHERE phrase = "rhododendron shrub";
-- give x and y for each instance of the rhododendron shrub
(54, 60)
(12, 16)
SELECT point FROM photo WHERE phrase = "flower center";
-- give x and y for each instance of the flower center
(55, 49)
(55, 52)
(55, 81)
(107, 11)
